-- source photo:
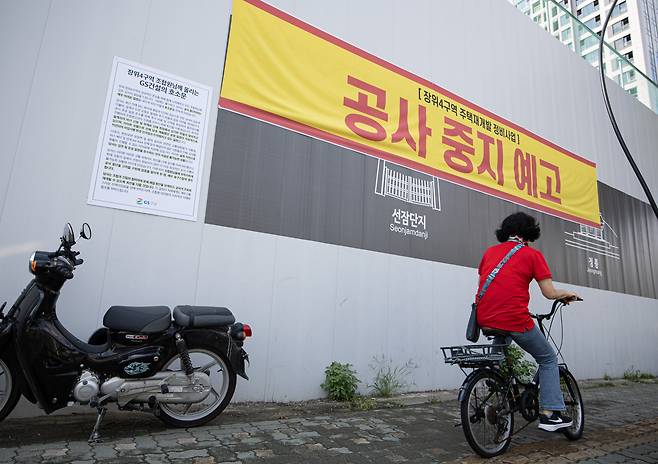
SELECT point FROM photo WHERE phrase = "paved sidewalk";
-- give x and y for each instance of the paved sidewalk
(621, 426)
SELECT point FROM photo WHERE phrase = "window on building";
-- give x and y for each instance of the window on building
(629, 56)
(565, 34)
(621, 8)
(628, 76)
(594, 22)
(564, 20)
(633, 91)
(535, 7)
(556, 26)
(614, 64)
(623, 42)
(620, 26)
(592, 57)
(589, 42)
(588, 9)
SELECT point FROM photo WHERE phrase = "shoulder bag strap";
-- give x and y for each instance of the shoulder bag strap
(493, 274)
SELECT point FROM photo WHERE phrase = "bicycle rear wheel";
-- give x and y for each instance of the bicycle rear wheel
(486, 416)
(574, 403)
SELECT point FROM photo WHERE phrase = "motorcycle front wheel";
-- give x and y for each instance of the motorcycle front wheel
(222, 378)
(9, 392)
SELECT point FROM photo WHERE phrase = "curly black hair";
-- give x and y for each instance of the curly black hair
(520, 224)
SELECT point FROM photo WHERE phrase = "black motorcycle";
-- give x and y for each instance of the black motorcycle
(183, 370)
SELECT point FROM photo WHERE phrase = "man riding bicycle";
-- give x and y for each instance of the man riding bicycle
(504, 308)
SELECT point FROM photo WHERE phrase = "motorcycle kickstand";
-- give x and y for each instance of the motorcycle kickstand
(95, 436)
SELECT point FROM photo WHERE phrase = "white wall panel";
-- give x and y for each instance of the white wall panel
(52, 170)
(362, 309)
(236, 270)
(309, 303)
(24, 26)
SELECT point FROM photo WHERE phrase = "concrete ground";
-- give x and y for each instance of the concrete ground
(621, 426)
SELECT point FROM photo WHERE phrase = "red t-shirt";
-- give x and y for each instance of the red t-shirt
(505, 304)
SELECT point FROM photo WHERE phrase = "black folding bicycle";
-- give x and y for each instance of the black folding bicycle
(492, 393)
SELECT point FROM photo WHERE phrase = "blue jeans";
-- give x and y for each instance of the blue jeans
(532, 341)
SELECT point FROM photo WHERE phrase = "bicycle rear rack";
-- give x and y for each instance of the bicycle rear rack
(474, 356)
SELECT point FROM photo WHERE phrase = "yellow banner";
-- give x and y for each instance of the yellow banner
(287, 72)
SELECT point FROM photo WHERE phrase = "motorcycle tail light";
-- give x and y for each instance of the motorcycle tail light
(247, 330)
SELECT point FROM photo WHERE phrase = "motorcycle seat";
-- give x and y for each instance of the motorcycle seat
(202, 316)
(138, 319)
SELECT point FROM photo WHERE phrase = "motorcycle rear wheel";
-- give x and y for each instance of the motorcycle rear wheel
(223, 379)
(9, 391)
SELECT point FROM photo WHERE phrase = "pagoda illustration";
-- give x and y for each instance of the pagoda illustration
(598, 240)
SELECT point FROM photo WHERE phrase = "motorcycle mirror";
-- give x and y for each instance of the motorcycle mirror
(68, 236)
(85, 232)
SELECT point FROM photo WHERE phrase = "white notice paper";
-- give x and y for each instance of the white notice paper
(152, 142)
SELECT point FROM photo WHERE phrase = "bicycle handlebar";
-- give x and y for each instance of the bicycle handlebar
(556, 304)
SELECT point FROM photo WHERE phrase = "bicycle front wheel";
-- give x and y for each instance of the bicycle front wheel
(574, 403)
(487, 419)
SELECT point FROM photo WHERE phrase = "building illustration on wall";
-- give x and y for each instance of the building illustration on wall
(596, 240)
(422, 190)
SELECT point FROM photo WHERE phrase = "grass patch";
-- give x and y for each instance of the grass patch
(363, 403)
(635, 375)
(389, 379)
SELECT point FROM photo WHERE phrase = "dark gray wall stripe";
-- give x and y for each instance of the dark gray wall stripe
(272, 180)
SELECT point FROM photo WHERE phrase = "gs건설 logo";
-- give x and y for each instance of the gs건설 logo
(145, 202)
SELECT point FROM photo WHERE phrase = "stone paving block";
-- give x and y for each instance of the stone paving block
(146, 442)
(6, 454)
(611, 458)
(125, 446)
(340, 450)
(204, 460)
(189, 454)
(251, 441)
(293, 442)
(306, 434)
(104, 452)
(156, 458)
(246, 455)
(264, 453)
(54, 452)
(79, 447)
(24, 459)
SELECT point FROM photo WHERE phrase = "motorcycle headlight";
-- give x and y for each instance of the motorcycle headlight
(37, 261)
(33, 263)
